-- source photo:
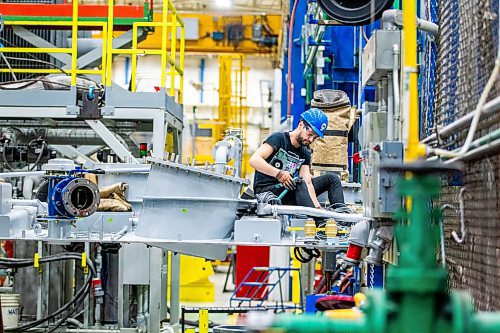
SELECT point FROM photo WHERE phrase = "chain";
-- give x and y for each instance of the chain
(372, 275)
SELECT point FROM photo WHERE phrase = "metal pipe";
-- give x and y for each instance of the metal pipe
(309, 211)
(82, 136)
(395, 87)
(98, 265)
(221, 157)
(90, 330)
(491, 147)
(289, 71)
(359, 233)
(17, 174)
(392, 19)
(20, 202)
(390, 107)
(41, 173)
(28, 184)
(488, 109)
(119, 234)
(312, 54)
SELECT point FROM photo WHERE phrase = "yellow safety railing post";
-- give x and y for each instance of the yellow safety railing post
(104, 52)
(109, 43)
(173, 50)
(164, 35)
(181, 60)
(133, 76)
(74, 42)
(203, 321)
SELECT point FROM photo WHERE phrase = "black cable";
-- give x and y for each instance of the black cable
(5, 158)
(71, 312)
(311, 254)
(42, 149)
(39, 61)
(77, 299)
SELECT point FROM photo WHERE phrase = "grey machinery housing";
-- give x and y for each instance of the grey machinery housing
(358, 12)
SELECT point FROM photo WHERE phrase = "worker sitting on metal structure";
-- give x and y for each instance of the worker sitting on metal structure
(282, 165)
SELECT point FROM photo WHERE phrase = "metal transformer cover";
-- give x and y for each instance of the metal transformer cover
(378, 57)
(380, 198)
(188, 203)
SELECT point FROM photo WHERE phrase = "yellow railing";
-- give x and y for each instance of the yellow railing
(167, 56)
(170, 22)
(74, 24)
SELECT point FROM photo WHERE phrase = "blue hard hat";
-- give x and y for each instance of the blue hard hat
(317, 120)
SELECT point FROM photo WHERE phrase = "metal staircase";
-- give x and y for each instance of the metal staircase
(256, 291)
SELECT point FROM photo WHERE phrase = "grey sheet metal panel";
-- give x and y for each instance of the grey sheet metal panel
(183, 202)
(169, 179)
(187, 218)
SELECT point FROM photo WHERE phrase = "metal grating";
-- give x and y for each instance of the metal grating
(467, 47)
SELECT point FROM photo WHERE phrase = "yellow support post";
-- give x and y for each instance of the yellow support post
(104, 52)
(173, 49)
(414, 150)
(133, 76)
(181, 60)
(164, 36)
(74, 43)
(203, 321)
(296, 296)
(36, 262)
(109, 43)
(84, 263)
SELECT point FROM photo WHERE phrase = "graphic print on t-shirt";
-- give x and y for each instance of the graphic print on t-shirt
(286, 161)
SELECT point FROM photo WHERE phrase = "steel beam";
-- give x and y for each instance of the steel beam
(73, 153)
(110, 139)
(39, 42)
(88, 150)
(95, 55)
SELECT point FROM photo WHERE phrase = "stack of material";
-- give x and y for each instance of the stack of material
(113, 198)
(330, 153)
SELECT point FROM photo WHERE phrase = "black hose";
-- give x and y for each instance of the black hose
(39, 157)
(320, 286)
(77, 299)
(5, 158)
(311, 253)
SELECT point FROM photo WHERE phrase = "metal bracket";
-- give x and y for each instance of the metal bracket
(90, 108)
(72, 110)
(108, 111)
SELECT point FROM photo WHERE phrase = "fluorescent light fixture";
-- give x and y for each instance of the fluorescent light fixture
(223, 3)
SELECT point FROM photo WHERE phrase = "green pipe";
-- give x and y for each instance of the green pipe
(308, 88)
(486, 322)
(312, 54)
(486, 139)
(319, 324)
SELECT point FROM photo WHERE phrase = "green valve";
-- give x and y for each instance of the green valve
(184, 210)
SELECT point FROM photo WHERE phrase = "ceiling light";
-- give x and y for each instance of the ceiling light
(223, 3)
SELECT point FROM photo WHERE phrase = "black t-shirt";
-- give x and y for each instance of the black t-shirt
(285, 157)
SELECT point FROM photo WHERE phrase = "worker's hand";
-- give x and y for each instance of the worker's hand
(285, 178)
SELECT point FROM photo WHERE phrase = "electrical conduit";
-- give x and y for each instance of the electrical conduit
(289, 71)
